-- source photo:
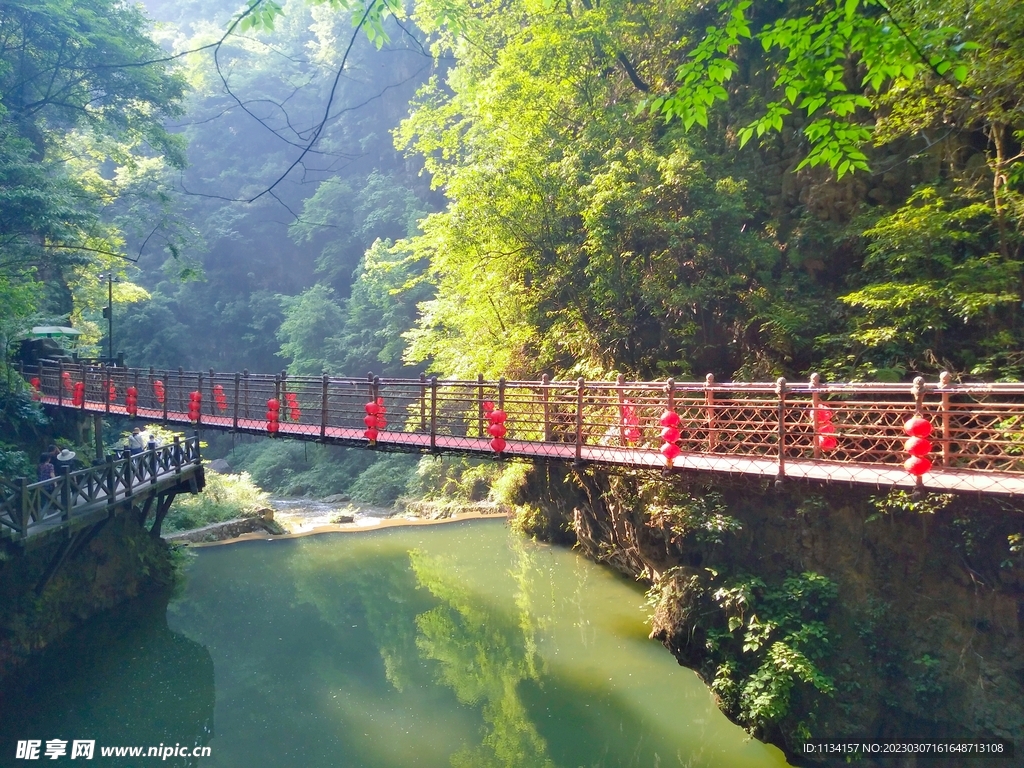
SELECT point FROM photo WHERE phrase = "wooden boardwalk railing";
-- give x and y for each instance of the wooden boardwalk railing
(75, 499)
(827, 432)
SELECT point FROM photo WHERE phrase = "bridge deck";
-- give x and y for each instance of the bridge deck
(883, 476)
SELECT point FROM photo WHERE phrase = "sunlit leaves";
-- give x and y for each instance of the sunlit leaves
(810, 56)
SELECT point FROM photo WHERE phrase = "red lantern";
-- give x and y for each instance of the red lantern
(670, 451)
(487, 405)
(917, 427)
(370, 434)
(273, 427)
(295, 413)
(66, 378)
(111, 392)
(827, 442)
(822, 414)
(917, 446)
(34, 383)
(917, 465)
(497, 416)
(158, 391)
(498, 444)
(669, 434)
(827, 428)
(273, 404)
(371, 409)
(78, 396)
(669, 419)
(381, 421)
(369, 421)
(496, 430)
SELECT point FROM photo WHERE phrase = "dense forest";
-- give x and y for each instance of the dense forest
(666, 189)
(513, 188)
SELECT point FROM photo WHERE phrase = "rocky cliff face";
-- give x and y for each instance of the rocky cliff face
(815, 610)
(120, 562)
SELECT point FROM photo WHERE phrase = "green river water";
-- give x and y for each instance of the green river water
(458, 646)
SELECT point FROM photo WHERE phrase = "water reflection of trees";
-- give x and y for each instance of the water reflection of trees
(484, 654)
(417, 608)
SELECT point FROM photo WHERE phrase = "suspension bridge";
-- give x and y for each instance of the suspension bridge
(972, 438)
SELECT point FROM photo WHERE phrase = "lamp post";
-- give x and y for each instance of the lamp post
(108, 312)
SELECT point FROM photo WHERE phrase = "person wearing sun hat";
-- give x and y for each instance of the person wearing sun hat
(62, 460)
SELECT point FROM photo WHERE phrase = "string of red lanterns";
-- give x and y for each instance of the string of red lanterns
(375, 418)
(496, 426)
(918, 446)
(670, 436)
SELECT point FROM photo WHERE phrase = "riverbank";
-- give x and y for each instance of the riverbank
(296, 518)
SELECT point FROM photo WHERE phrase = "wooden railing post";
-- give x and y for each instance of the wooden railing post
(433, 413)
(325, 383)
(917, 392)
(167, 394)
(213, 400)
(281, 395)
(580, 386)
(106, 387)
(111, 473)
(24, 514)
(199, 389)
(815, 402)
(480, 405)
(780, 391)
(129, 471)
(423, 402)
(245, 390)
(944, 381)
(234, 408)
(176, 455)
(709, 405)
(181, 389)
(546, 400)
(620, 380)
(65, 488)
(151, 449)
(60, 384)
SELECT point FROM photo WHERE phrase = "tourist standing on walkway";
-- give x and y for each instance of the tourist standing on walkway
(45, 470)
(136, 442)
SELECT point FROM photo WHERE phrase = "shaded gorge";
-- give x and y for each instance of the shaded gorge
(459, 645)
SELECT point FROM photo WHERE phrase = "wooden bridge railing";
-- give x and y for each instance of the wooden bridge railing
(27, 508)
(765, 428)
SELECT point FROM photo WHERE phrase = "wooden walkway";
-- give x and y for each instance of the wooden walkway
(29, 512)
(832, 433)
